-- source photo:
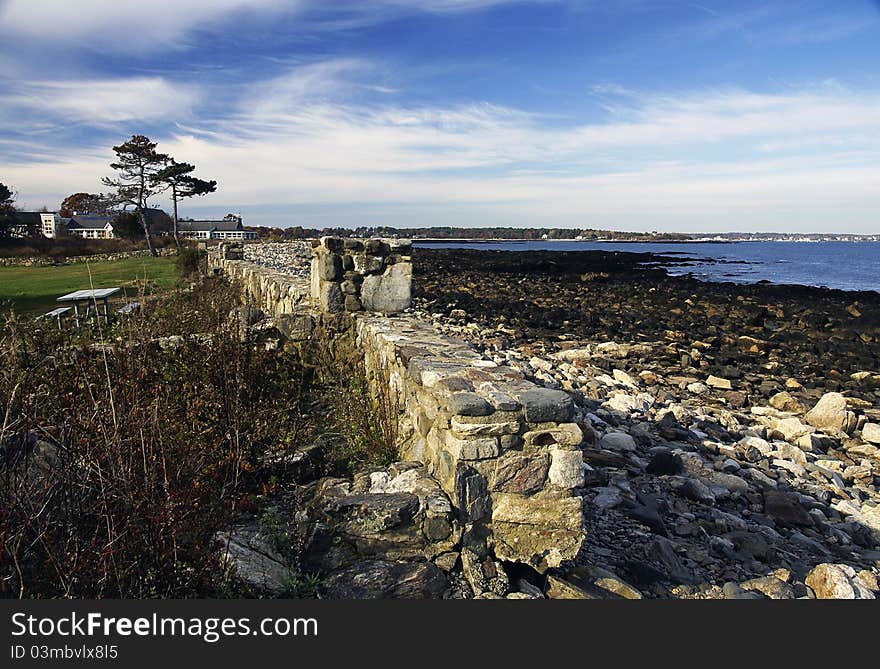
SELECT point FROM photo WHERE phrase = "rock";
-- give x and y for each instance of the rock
(543, 405)
(566, 468)
(558, 588)
(786, 508)
(541, 530)
(618, 441)
(328, 266)
(837, 581)
(607, 498)
(330, 298)
(785, 402)
(619, 587)
(771, 586)
(696, 490)
(249, 557)
(661, 552)
(382, 579)
(665, 463)
(719, 383)
(469, 404)
(830, 412)
(791, 429)
(871, 433)
(390, 292)
(757, 443)
(521, 473)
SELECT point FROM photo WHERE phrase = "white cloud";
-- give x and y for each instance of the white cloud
(140, 25)
(115, 23)
(705, 160)
(99, 101)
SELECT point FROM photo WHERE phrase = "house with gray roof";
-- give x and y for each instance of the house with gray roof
(227, 228)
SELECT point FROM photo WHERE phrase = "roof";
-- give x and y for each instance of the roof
(89, 222)
(28, 217)
(208, 226)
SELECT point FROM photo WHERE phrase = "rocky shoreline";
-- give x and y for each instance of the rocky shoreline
(731, 432)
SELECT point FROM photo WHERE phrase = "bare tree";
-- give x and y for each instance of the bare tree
(137, 162)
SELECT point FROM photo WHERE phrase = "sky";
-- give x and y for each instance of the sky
(644, 115)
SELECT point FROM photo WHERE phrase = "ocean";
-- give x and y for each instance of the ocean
(841, 265)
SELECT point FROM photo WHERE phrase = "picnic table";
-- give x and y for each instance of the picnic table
(89, 297)
(57, 313)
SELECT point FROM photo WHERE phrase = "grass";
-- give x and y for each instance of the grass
(31, 290)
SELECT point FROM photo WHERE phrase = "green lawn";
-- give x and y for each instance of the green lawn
(35, 289)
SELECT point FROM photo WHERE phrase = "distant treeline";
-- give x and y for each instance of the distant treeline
(299, 232)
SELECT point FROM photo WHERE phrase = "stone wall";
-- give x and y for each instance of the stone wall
(504, 450)
(350, 275)
(32, 261)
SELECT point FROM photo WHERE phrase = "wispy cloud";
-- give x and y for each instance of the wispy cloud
(102, 101)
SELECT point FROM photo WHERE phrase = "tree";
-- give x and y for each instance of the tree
(178, 177)
(127, 225)
(137, 163)
(96, 204)
(7, 211)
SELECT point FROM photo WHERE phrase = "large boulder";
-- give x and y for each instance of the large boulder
(831, 413)
(837, 581)
(384, 579)
(541, 530)
(389, 292)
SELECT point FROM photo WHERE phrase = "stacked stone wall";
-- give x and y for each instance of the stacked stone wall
(350, 275)
(505, 450)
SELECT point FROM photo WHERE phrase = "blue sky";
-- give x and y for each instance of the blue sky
(636, 114)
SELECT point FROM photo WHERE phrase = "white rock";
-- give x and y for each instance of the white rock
(871, 433)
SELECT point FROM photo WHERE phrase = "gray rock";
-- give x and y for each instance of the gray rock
(328, 266)
(250, 558)
(390, 292)
(330, 298)
(469, 404)
(566, 468)
(618, 441)
(543, 405)
(381, 579)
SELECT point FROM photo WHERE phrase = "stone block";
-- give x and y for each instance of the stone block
(328, 266)
(472, 493)
(478, 448)
(544, 405)
(367, 264)
(521, 474)
(352, 303)
(390, 292)
(565, 434)
(542, 530)
(330, 297)
(466, 429)
(468, 404)
(297, 327)
(566, 468)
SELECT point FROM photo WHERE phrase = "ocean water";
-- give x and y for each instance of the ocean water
(842, 265)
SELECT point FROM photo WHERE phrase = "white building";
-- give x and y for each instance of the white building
(91, 227)
(230, 228)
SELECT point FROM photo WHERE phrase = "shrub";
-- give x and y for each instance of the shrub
(188, 260)
(119, 462)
